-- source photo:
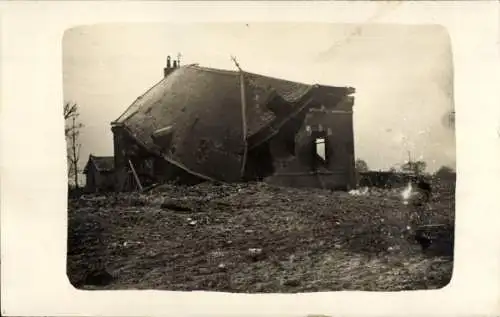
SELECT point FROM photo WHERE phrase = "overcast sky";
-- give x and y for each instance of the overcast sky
(403, 76)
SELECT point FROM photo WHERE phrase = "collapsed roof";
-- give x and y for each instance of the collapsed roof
(193, 116)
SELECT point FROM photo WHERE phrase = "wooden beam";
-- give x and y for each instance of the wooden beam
(135, 175)
(243, 124)
(243, 117)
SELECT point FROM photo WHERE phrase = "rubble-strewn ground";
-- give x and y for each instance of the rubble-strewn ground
(257, 238)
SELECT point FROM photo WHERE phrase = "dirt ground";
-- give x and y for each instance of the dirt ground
(257, 238)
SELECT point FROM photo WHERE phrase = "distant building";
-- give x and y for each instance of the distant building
(99, 174)
(190, 127)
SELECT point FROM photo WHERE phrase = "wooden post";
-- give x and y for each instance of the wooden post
(135, 175)
(244, 124)
(243, 117)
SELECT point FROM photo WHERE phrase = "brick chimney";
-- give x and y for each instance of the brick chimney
(171, 66)
(168, 69)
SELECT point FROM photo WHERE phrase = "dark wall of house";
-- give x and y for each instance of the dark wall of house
(341, 146)
(259, 163)
(119, 144)
(303, 169)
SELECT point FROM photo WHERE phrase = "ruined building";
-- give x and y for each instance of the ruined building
(200, 123)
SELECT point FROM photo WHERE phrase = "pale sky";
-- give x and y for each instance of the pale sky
(403, 76)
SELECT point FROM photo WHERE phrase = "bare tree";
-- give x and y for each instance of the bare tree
(72, 132)
(70, 109)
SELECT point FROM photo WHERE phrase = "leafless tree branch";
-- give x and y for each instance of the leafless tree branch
(70, 110)
(72, 133)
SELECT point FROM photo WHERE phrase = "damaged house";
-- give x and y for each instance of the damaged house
(203, 124)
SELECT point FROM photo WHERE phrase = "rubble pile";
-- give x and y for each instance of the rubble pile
(255, 237)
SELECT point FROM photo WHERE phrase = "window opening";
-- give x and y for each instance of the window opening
(321, 148)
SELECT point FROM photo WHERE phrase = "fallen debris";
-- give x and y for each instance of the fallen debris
(256, 254)
(359, 192)
(175, 206)
(251, 237)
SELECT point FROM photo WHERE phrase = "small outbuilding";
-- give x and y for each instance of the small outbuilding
(99, 172)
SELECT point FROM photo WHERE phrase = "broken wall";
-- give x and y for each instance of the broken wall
(149, 167)
(303, 168)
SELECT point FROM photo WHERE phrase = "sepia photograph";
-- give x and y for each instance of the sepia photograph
(259, 157)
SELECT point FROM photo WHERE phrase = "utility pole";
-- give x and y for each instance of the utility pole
(410, 162)
(243, 116)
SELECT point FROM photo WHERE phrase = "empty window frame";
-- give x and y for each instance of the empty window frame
(320, 147)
